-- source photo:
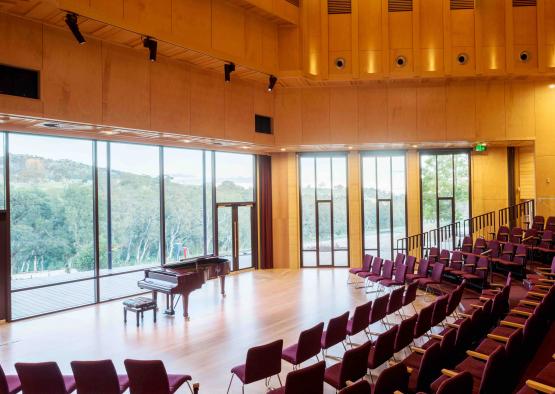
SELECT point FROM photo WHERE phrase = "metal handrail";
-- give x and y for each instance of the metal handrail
(480, 226)
(518, 215)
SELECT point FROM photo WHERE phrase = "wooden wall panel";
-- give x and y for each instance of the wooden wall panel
(152, 13)
(189, 22)
(289, 50)
(228, 28)
(288, 116)
(460, 111)
(489, 181)
(170, 97)
(125, 87)
(491, 110)
(207, 102)
(519, 97)
(343, 116)
(66, 94)
(401, 120)
(525, 30)
(239, 112)
(491, 23)
(549, 28)
(526, 173)
(316, 116)
(431, 112)
(372, 117)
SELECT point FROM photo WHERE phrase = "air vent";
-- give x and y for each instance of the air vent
(339, 7)
(524, 3)
(63, 126)
(262, 124)
(294, 2)
(399, 5)
(462, 4)
(21, 82)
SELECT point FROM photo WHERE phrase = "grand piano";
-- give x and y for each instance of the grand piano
(183, 277)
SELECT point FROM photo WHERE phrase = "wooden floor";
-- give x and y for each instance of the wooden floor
(261, 306)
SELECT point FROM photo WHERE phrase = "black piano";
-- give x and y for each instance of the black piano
(183, 277)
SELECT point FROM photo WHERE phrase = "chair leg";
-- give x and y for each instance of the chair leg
(317, 359)
(243, 389)
(231, 380)
(190, 388)
(279, 379)
(344, 347)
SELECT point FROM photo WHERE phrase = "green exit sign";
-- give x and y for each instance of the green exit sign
(480, 148)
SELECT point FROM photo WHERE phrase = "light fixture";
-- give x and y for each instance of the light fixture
(350, 147)
(551, 86)
(228, 69)
(283, 149)
(185, 140)
(71, 22)
(272, 83)
(109, 132)
(152, 46)
(245, 147)
(414, 146)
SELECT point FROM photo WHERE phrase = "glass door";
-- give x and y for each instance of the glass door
(234, 232)
(324, 234)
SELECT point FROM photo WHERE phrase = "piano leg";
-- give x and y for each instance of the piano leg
(222, 285)
(186, 306)
(155, 297)
(169, 308)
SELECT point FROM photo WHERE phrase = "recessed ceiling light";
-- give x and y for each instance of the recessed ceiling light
(283, 149)
(414, 146)
(350, 147)
(186, 141)
(552, 86)
(109, 132)
(245, 147)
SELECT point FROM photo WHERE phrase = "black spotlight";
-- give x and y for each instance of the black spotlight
(228, 69)
(152, 46)
(71, 22)
(272, 83)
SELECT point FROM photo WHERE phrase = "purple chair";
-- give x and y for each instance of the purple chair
(538, 222)
(360, 387)
(440, 310)
(398, 278)
(150, 376)
(434, 279)
(466, 246)
(262, 362)
(40, 378)
(395, 302)
(516, 235)
(387, 273)
(433, 255)
(444, 257)
(376, 269)
(9, 384)
(336, 332)
(405, 333)
(307, 347)
(456, 261)
(379, 310)
(461, 383)
(399, 260)
(424, 321)
(455, 298)
(422, 271)
(518, 262)
(410, 262)
(366, 264)
(305, 380)
(503, 234)
(359, 321)
(430, 366)
(92, 377)
(410, 295)
(479, 274)
(351, 368)
(382, 349)
(394, 378)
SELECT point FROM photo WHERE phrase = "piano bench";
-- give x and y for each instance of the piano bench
(139, 305)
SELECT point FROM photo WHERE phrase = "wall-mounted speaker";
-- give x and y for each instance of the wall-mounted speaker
(462, 58)
(524, 56)
(262, 124)
(340, 63)
(400, 61)
(20, 82)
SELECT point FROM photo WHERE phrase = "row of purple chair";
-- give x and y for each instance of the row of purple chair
(93, 377)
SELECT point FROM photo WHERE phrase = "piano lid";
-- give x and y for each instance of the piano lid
(196, 261)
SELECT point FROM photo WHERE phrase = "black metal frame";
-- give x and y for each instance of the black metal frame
(394, 243)
(96, 224)
(329, 155)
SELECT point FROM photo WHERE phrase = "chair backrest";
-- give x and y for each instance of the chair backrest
(508, 251)
(458, 384)
(470, 263)
(513, 345)
(394, 378)
(447, 344)
(424, 322)
(482, 267)
(520, 255)
(423, 266)
(503, 234)
(395, 301)
(377, 265)
(92, 377)
(456, 260)
(437, 272)
(433, 255)
(360, 387)
(367, 262)
(410, 262)
(354, 364)
(306, 380)
(379, 309)
(3, 382)
(538, 222)
(336, 331)
(387, 271)
(400, 273)
(466, 244)
(464, 335)
(444, 256)
(361, 317)
(516, 235)
(410, 293)
(147, 376)
(494, 248)
(547, 239)
(530, 237)
(383, 348)
(399, 259)
(405, 333)
(455, 298)
(309, 343)
(553, 265)
(263, 361)
(492, 376)
(40, 378)
(550, 224)
(430, 366)
(480, 244)
(440, 309)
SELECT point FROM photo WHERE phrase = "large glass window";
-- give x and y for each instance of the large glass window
(324, 211)
(445, 188)
(51, 223)
(384, 202)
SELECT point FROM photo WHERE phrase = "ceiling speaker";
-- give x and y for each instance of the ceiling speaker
(462, 58)
(340, 63)
(400, 61)
(524, 56)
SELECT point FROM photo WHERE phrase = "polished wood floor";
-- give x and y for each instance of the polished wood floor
(260, 306)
